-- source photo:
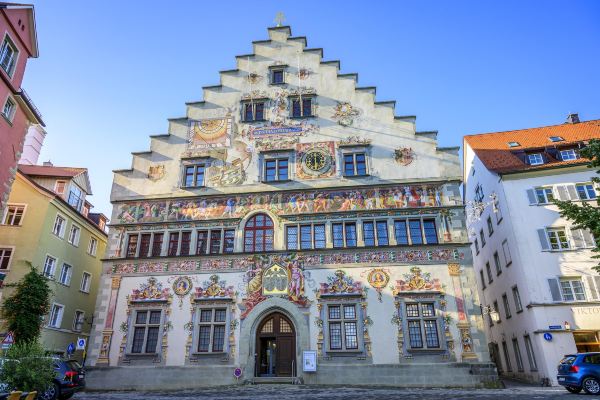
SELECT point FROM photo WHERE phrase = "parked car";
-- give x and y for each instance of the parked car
(580, 371)
(70, 378)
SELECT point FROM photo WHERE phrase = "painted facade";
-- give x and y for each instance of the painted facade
(41, 229)
(273, 219)
(532, 284)
(18, 113)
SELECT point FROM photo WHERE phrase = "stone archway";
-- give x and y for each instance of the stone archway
(275, 346)
(250, 325)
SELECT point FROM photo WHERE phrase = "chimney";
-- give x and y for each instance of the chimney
(573, 118)
(48, 164)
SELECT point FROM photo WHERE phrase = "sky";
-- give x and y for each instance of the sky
(110, 73)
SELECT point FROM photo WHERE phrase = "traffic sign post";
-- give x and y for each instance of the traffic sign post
(70, 349)
(8, 341)
(80, 344)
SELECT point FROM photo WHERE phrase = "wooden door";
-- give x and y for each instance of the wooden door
(285, 355)
(276, 332)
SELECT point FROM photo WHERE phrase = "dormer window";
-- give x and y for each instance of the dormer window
(513, 144)
(277, 75)
(75, 198)
(535, 159)
(254, 111)
(302, 107)
(556, 138)
(570, 154)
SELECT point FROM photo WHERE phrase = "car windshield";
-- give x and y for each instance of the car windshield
(73, 365)
(568, 360)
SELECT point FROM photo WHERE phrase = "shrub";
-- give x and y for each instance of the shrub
(27, 367)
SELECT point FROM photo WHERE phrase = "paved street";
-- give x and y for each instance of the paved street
(279, 392)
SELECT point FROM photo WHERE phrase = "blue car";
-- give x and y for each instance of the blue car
(580, 371)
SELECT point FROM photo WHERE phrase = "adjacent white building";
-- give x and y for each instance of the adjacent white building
(536, 281)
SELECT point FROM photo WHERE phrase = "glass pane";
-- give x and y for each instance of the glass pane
(427, 310)
(369, 233)
(152, 339)
(218, 338)
(430, 231)
(350, 234)
(205, 315)
(154, 317)
(319, 231)
(260, 111)
(138, 340)
(186, 237)
(202, 242)
(204, 338)
(348, 165)
(414, 334)
(400, 232)
(361, 166)
(140, 317)
(415, 231)
(173, 243)
(296, 111)
(220, 315)
(351, 335)
(412, 310)
(157, 244)
(338, 235)
(215, 242)
(307, 107)
(292, 237)
(335, 336)
(305, 237)
(349, 312)
(382, 233)
(229, 241)
(431, 334)
(334, 312)
(248, 112)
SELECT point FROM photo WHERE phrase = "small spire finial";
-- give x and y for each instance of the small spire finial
(279, 18)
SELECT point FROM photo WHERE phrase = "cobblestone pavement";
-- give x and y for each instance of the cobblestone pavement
(285, 392)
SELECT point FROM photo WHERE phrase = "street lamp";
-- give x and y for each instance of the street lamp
(488, 310)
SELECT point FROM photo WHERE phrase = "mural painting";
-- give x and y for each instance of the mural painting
(340, 284)
(268, 144)
(156, 172)
(378, 278)
(404, 156)
(316, 160)
(213, 289)
(417, 281)
(181, 287)
(209, 133)
(344, 113)
(150, 291)
(354, 141)
(237, 206)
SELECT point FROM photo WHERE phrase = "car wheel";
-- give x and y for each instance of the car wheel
(591, 386)
(68, 396)
(52, 393)
(573, 389)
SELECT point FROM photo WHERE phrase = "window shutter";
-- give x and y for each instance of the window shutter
(561, 192)
(531, 196)
(543, 239)
(577, 238)
(588, 238)
(572, 192)
(554, 289)
(592, 287)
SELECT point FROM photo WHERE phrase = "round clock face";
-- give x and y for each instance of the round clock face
(316, 162)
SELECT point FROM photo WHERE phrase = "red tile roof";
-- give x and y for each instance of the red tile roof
(493, 150)
(43, 170)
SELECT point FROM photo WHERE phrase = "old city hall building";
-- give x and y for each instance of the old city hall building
(289, 226)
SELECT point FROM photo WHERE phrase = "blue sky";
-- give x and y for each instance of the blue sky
(110, 73)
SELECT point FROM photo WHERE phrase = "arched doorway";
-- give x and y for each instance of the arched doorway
(275, 346)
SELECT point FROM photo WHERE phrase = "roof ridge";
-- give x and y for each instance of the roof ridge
(537, 127)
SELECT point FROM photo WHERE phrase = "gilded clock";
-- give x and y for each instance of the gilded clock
(316, 161)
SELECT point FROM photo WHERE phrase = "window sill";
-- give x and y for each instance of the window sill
(426, 351)
(344, 352)
(277, 83)
(252, 121)
(303, 117)
(277, 181)
(64, 284)
(356, 176)
(519, 311)
(7, 119)
(193, 187)
(84, 292)
(509, 264)
(500, 220)
(141, 355)
(208, 354)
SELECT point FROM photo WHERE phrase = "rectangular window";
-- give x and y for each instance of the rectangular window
(558, 238)
(482, 277)
(482, 238)
(572, 290)
(193, 175)
(530, 354)
(202, 242)
(350, 231)
(517, 299)
(544, 195)
(5, 255)
(145, 240)
(369, 233)
(302, 107)
(430, 231)
(65, 274)
(228, 240)
(8, 56)
(535, 159)
(291, 234)
(488, 269)
(86, 281)
(173, 244)
(276, 170)
(570, 154)
(355, 164)
(497, 310)
(145, 331)
(186, 239)
(490, 226)
(74, 234)
(400, 232)
(319, 234)
(497, 263)
(338, 235)
(305, 237)
(49, 267)
(56, 314)
(517, 351)
(343, 327)
(382, 233)
(13, 215)
(8, 111)
(277, 76)
(132, 241)
(59, 187)
(375, 233)
(215, 241)
(59, 226)
(506, 252)
(506, 357)
(93, 246)
(506, 306)
(476, 244)
(75, 198)
(586, 191)
(157, 242)
(423, 330)
(211, 331)
(414, 226)
(414, 334)
(254, 111)
(78, 320)
(479, 193)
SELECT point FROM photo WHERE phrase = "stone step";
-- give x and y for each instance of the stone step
(278, 380)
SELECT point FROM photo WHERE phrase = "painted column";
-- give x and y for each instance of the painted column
(463, 324)
(107, 332)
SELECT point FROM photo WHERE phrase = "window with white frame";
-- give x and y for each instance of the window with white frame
(277, 75)
(530, 354)
(506, 252)
(582, 238)
(517, 351)
(276, 169)
(86, 281)
(586, 191)
(74, 235)
(93, 246)
(254, 111)
(59, 226)
(75, 198)
(570, 154)
(355, 164)
(56, 315)
(49, 267)
(13, 215)
(193, 174)
(302, 107)
(342, 323)
(65, 274)
(506, 357)
(78, 320)
(535, 159)
(423, 325)
(343, 234)
(8, 55)
(495, 317)
(517, 299)
(5, 256)
(211, 329)
(506, 305)
(558, 238)
(305, 236)
(571, 289)
(9, 109)
(544, 195)
(146, 329)
(497, 263)
(375, 233)
(59, 187)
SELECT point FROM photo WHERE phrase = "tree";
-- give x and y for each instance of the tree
(25, 308)
(27, 367)
(585, 215)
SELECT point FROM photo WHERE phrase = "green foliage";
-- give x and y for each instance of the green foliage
(27, 367)
(25, 308)
(586, 215)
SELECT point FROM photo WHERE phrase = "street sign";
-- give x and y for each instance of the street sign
(71, 348)
(80, 343)
(548, 336)
(237, 373)
(8, 341)
(555, 327)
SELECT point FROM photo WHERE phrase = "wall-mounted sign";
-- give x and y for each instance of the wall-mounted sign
(237, 373)
(555, 327)
(309, 361)
(548, 336)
